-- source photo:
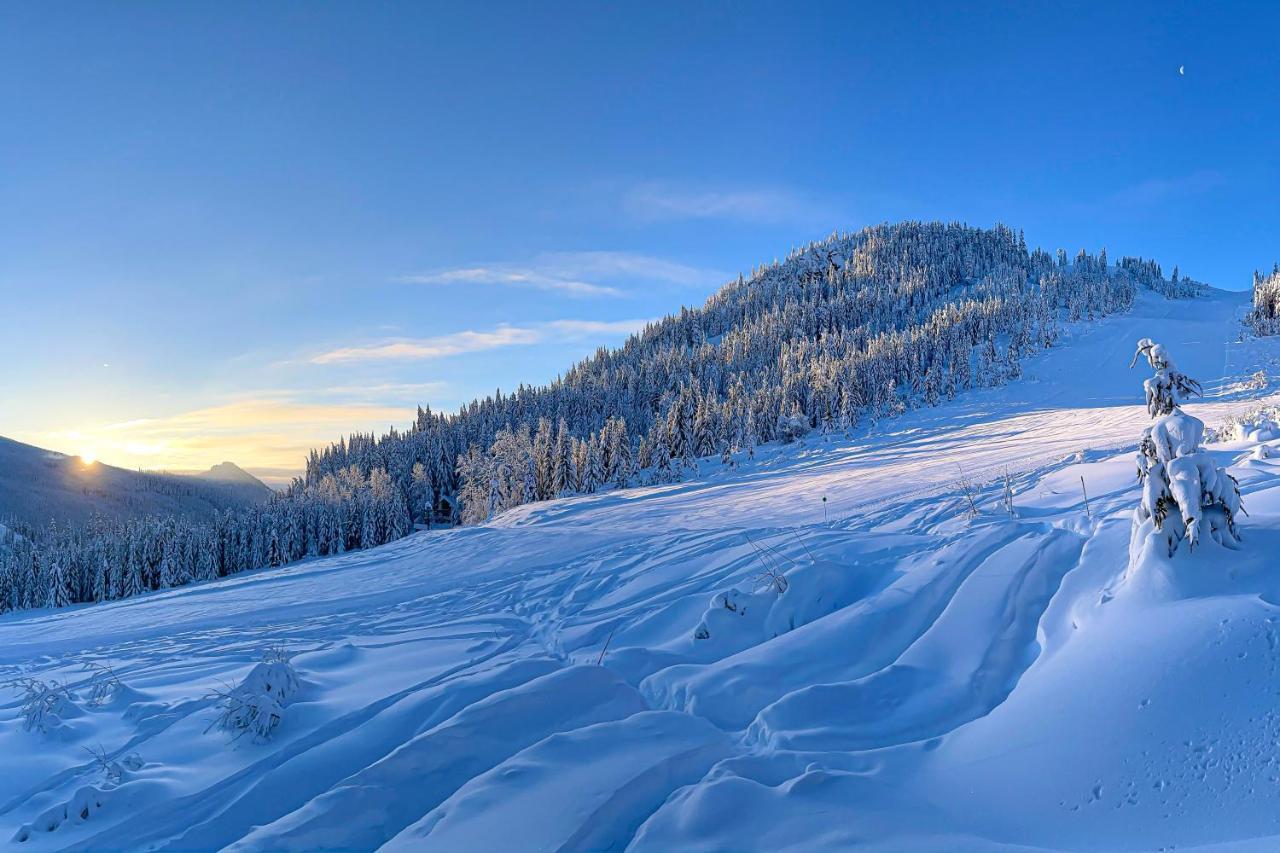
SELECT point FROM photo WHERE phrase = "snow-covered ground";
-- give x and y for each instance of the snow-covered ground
(612, 671)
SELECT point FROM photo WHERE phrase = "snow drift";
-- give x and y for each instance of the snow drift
(712, 665)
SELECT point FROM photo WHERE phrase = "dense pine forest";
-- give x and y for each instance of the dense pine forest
(842, 333)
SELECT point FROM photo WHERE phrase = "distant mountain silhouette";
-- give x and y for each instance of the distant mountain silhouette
(38, 486)
(230, 472)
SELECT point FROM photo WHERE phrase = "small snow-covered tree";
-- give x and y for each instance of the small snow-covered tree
(1166, 390)
(256, 705)
(1184, 493)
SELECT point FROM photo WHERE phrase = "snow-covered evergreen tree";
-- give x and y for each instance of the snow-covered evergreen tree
(594, 477)
(563, 475)
(1265, 317)
(1185, 495)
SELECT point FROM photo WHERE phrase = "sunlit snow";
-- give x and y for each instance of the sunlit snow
(626, 669)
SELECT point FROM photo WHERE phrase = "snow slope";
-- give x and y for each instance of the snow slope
(609, 672)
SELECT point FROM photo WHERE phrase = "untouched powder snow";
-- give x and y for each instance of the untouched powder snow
(620, 671)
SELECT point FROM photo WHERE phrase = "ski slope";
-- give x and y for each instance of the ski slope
(611, 671)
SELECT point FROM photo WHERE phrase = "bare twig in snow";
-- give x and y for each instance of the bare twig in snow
(1008, 492)
(804, 545)
(969, 490)
(607, 641)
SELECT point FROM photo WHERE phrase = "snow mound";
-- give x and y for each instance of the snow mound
(255, 706)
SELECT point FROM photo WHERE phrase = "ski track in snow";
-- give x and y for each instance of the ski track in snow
(927, 681)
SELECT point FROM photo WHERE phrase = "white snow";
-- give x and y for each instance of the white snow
(926, 680)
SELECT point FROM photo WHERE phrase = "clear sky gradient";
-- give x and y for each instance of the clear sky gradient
(231, 231)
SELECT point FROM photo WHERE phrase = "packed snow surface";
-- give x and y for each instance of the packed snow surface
(727, 663)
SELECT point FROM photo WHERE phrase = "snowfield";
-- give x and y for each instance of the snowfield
(725, 663)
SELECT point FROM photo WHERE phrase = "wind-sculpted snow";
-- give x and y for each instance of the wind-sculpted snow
(947, 676)
(714, 665)
(587, 789)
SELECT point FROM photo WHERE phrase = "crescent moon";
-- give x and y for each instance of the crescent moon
(1182, 70)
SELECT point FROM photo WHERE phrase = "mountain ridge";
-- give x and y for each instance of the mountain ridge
(38, 485)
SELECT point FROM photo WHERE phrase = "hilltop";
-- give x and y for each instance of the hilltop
(842, 334)
(623, 669)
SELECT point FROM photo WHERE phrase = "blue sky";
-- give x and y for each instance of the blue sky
(231, 231)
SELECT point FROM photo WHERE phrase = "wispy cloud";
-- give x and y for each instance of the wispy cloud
(665, 200)
(374, 392)
(580, 274)
(576, 329)
(258, 411)
(421, 349)
(385, 390)
(426, 348)
(1161, 190)
(515, 277)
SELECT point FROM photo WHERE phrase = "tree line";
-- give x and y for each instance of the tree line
(841, 333)
(110, 559)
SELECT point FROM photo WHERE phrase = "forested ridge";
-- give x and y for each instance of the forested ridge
(851, 329)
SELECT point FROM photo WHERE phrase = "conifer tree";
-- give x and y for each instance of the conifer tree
(1185, 495)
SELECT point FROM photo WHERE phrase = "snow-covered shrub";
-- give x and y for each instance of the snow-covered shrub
(113, 770)
(1259, 424)
(104, 685)
(780, 603)
(787, 594)
(1184, 493)
(43, 703)
(735, 619)
(256, 705)
(772, 578)
(792, 427)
